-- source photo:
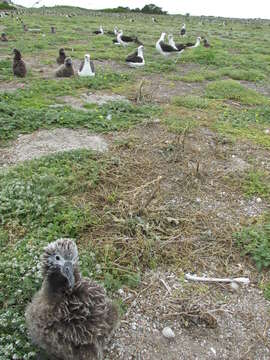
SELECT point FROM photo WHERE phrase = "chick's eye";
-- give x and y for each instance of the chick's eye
(57, 257)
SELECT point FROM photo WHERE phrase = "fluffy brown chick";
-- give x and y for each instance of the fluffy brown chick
(65, 70)
(70, 317)
(61, 58)
(3, 37)
(19, 68)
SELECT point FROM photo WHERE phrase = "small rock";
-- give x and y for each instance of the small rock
(198, 200)
(258, 200)
(121, 292)
(213, 351)
(168, 333)
(234, 286)
(133, 326)
(267, 131)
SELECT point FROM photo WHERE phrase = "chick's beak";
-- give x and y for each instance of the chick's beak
(67, 271)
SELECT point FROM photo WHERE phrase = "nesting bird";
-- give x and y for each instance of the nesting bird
(126, 40)
(87, 67)
(206, 43)
(179, 47)
(163, 48)
(70, 317)
(19, 67)
(194, 45)
(183, 30)
(3, 37)
(66, 69)
(136, 59)
(61, 58)
(100, 31)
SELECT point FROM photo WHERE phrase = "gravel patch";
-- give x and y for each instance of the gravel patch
(240, 329)
(45, 142)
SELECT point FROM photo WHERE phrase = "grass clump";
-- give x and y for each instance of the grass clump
(257, 183)
(249, 123)
(255, 241)
(191, 102)
(20, 116)
(232, 90)
(179, 125)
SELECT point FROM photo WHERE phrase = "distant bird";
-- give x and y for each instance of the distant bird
(66, 69)
(3, 37)
(19, 67)
(206, 43)
(163, 48)
(70, 317)
(53, 30)
(114, 32)
(87, 67)
(100, 31)
(179, 47)
(126, 40)
(25, 28)
(61, 58)
(193, 45)
(154, 20)
(183, 30)
(136, 59)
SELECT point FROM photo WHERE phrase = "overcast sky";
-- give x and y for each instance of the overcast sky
(227, 8)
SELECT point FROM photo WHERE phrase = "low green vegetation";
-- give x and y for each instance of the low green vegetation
(232, 90)
(247, 123)
(191, 102)
(255, 241)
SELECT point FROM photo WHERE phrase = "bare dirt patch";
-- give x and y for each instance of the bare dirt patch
(99, 98)
(262, 89)
(209, 322)
(157, 89)
(45, 142)
(10, 86)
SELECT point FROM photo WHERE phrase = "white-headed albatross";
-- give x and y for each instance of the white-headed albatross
(87, 67)
(163, 48)
(136, 59)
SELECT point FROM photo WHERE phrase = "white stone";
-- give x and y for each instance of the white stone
(258, 200)
(168, 333)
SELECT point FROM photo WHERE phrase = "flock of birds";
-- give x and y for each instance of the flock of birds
(135, 59)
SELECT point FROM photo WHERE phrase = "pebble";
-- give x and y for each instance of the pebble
(267, 131)
(258, 200)
(121, 292)
(234, 286)
(168, 333)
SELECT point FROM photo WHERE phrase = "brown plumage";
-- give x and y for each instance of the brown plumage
(61, 58)
(3, 37)
(70, 317)
(65, 70)
(19, 68)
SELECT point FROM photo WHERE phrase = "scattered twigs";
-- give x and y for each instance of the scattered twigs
(166, 286)
(217, 280)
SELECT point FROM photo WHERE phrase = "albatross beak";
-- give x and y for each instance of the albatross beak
(67, 271)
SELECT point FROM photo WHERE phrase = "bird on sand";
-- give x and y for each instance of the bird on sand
(70, 317)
